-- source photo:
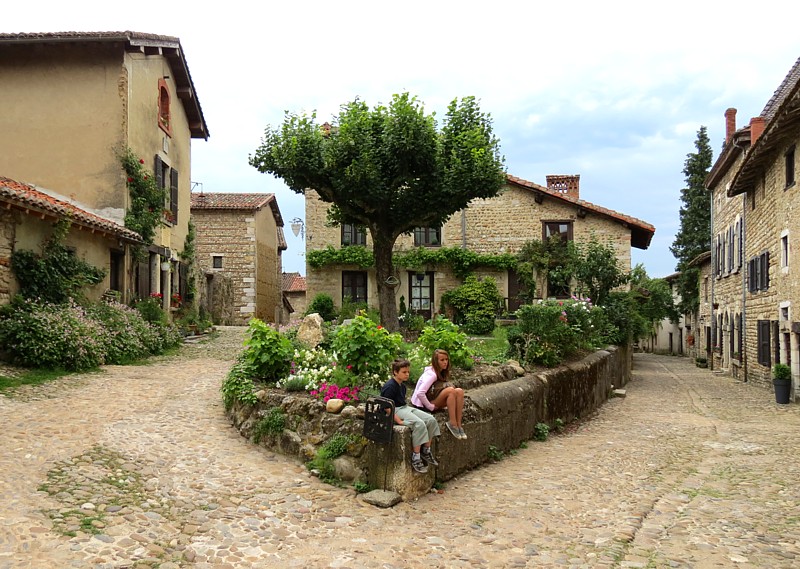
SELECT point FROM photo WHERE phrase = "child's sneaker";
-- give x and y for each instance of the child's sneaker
(462, 435)
(418, 465)
(427, 456)
(453, 430)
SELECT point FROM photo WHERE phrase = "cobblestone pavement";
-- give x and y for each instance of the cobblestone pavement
(137, 467)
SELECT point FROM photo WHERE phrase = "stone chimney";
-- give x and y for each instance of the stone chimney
(565, 184)
(730, 124)
(756, 128)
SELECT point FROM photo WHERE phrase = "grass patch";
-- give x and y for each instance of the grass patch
(491, 349)
(30, 377)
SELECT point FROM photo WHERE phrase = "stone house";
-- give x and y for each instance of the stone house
(294, 291)
(72, 103)
(668, 336)
(523, 211)
(698, 324)
(238, 245)
(754, 285)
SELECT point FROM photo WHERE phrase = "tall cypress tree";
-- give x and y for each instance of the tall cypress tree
(694, 235)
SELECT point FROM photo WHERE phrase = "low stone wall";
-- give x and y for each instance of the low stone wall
(502, 407)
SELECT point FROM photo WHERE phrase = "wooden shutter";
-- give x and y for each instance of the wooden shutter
(763, 342)
(173, 194)
(158, 171)
(183, 275)
(776, 341)
(143, 279)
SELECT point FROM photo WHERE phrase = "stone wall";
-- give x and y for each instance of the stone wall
(502, 407)
(8, 224)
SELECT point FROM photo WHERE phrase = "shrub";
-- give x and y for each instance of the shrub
(150, 308)
(272, 423)
(365, 348)
(476, 302)
(238, 385)
(323, 305)
(52, 336)
(126, 336)
(781, 371)
(267, 352)
(444, 335)
(541, 431)
(349, 308)
(551, 330)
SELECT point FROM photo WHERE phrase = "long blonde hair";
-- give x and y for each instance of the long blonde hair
(441, 374)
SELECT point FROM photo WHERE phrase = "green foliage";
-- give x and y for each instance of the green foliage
(294, 384)
(356, 255)
(56, 275)
(268, 352)
(462, 261)
(349, 309)
(188, 257)
(596, 270)
(494, 453)
(781, 371)
(548, 259)
(362, 487)
(337, 445)
(444, 335)
(476, 302)
(694, 235)
(559, 425)
(541, 431)
(150, 308)
(624, 323)
(71, 337)
(322, 304)
(30, 377)
(144, 213)
(387, 168)
(494, 349)
(366, 347)
(238, 385)
(271, 423)
(551, 330)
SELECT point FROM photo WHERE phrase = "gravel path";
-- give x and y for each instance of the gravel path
(137, 466)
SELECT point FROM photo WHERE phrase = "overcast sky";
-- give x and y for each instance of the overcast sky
(613, 91)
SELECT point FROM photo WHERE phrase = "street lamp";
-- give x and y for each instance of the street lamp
(298, 227)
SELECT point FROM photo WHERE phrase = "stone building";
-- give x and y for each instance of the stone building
(238, 244)
(668, 336)
(294, 291)
(72, 103)
(754, 284)
(698, 324)
(523, 211)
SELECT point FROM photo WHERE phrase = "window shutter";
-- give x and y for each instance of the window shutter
(740, 233)
(173, 194)
(183, 275)
(764, 271)
(763, 342)
(776, 341)
(158, 171)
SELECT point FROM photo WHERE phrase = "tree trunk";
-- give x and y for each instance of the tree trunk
(384, 270)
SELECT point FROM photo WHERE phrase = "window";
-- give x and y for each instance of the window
(561, 228)
(167, 179)
(763, 343)
(353, 235)
(758, 273)
(216, 261)
(705, 289)
(785, 251)
(789, 161)
(354, 286)
(116, 270)
(427, 237)
(163, 107)
(421, 293)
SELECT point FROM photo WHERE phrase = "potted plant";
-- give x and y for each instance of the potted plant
(701, 362)
(782, 380)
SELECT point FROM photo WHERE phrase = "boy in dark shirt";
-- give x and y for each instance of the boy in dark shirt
(423, 426)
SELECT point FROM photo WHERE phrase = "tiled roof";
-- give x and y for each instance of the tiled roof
(641, 231)
(34, 200)
(230, 201)
(168, 46)
(782, 91)
(293, 282)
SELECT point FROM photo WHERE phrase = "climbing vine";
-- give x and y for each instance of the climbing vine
(462, 261)
(187, 256)
(147, 200)
(57, 274)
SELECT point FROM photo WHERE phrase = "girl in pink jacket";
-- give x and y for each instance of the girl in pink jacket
(433, 391)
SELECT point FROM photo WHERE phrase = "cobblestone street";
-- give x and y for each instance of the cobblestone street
(137, 466)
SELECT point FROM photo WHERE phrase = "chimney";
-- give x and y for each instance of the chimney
(568, 185)
(730, 124)
(756, 128)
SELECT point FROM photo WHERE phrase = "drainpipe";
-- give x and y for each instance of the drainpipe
(713, 280)
(743, 322)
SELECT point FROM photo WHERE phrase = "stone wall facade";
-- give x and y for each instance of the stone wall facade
(502, 408)
(7, 232)
(248, 281)
(502, 224)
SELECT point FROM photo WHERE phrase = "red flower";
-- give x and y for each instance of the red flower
(141, 160)
(130, 180)
(380, 327)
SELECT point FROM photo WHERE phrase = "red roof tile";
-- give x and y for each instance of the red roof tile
(26, 197)
(293, 282)
(230, 201)
(641, 231)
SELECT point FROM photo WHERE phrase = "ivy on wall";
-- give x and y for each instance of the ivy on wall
(462, 261)
(147, 201)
